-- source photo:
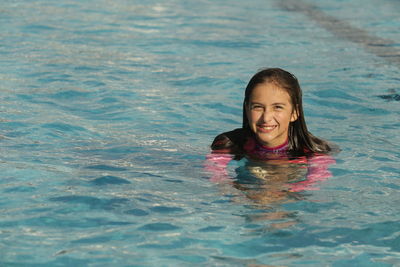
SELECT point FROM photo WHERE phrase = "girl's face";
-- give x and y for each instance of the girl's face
(269, 112)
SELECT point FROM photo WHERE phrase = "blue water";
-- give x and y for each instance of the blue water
(108, 109)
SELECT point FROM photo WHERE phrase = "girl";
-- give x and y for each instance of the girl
(274, 131)
(273, 120)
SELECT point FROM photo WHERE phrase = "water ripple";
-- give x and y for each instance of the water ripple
(108, 111)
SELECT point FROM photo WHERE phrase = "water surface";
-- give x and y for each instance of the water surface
(108, 108)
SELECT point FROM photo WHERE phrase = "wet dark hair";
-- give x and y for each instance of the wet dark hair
(300, 139)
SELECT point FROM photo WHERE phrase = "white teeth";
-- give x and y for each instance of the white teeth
(268, 127)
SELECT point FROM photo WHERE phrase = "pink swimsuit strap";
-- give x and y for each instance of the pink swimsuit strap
(252, 146)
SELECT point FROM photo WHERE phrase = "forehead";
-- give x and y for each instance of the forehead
(269, 92)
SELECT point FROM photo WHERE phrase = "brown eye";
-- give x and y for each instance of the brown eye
(257, 107)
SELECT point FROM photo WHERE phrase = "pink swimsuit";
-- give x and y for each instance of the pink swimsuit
(216, 164)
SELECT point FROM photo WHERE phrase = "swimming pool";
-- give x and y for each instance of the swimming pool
(108, 108)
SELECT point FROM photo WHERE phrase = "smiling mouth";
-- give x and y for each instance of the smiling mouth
(266, 128)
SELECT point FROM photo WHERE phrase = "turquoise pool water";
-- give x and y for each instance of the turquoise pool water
(108, 108)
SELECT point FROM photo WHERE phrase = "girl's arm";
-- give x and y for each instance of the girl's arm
(317, 171)
(216, 164)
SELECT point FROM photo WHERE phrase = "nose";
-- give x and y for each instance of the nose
(267, 115)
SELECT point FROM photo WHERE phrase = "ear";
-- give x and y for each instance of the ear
(295, 115)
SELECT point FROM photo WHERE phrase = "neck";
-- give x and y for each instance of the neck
(278, 148)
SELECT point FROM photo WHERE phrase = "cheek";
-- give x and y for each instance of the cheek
(285, 118)
(253, 116)
(279, 117)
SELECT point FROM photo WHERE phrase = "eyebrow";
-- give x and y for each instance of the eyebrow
(282, 104)
(273, 104)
